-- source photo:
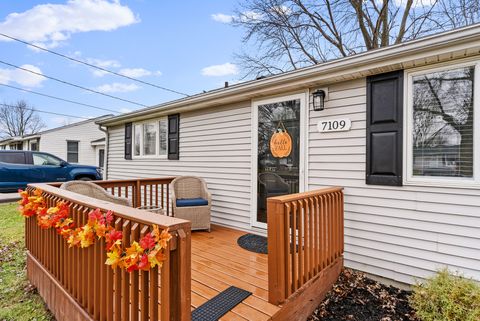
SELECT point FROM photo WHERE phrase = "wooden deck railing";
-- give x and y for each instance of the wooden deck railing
(99, 292)
(142, 191)
(305, 236)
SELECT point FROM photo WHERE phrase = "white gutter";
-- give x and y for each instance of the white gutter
(353, 66)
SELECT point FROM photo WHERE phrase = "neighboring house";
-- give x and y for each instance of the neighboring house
(82, 142)
(405, 215)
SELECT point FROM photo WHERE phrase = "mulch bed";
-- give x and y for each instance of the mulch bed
(357, 298)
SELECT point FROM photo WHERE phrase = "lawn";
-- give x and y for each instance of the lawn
(19, 300)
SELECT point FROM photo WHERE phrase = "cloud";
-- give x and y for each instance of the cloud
(22, 77)
(117, 88)
(64, 120)
(138, 72)
(125, 110)
(106, 64)
(103, 63)
(281, 10)
(248, 15)
(111, 64)
(223, 18)
(50, 24)
(220, 70)
(415, 4)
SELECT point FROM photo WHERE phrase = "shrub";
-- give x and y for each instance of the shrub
(447, 297)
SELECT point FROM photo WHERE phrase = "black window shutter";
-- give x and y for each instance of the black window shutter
(384, 129)
(128, 141)
(173, 136)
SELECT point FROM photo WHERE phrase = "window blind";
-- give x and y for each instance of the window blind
(72, 152)
(443, 123)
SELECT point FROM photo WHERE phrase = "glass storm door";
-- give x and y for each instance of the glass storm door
(278, 154)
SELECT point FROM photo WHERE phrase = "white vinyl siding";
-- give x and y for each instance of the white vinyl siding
(55, 141)
(395, 232)
(215, 145)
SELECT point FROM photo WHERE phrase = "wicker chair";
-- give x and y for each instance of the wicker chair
(272, 184)
(185, 188)
(94, 191)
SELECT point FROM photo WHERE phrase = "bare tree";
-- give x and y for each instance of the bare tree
(19, 119)
(290, 34)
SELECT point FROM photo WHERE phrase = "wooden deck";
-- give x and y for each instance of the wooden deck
(218, 262)
(286, 284)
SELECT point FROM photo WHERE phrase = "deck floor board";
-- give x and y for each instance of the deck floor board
(218, 262)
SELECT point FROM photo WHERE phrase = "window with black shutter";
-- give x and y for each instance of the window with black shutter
(384, 129)
(128, 141)
(173, 136)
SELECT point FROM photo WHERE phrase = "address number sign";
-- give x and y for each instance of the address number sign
(334, 125)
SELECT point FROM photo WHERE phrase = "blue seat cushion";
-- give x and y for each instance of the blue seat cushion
(184, 202)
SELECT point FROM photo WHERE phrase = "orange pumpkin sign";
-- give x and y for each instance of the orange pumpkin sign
(281, 144)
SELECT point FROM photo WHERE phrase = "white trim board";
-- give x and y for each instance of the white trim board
(304, 107)
(455, 182)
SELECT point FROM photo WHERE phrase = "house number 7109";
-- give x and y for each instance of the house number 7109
(334, 125)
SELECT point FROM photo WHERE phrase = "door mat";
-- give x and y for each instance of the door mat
(215, 308)
(253, 243)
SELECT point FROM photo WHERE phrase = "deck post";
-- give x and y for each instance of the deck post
(180, 282)
(305, 239)
(276, 251)
(138, 194)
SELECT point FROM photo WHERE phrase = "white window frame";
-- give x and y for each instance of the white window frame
(156, 122)
(439, 181)
(78, 151)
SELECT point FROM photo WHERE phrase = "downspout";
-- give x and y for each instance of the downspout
(105, 164)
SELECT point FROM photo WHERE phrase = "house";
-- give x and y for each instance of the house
(81, 142)
(371, 123)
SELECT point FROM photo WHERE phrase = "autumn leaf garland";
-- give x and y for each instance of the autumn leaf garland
(148, 253)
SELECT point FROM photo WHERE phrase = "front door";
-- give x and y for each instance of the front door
(279, 157)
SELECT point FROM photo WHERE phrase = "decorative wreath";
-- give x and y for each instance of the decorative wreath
(148, 253)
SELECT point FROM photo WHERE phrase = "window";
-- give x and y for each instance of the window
(137, 140)
(441, 124)
(45, 159)
(150, 138)
(163, 136)
(101, 158)
(72, 151)
(12, 157)
(34, 146)
(16, 146)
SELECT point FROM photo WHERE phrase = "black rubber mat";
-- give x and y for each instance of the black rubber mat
(215, 308)
(253, 243)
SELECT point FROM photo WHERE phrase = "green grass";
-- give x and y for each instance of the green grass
(19, 300)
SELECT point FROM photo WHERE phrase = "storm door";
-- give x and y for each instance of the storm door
(279, 149)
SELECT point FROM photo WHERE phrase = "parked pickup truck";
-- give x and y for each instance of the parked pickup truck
(18, 168)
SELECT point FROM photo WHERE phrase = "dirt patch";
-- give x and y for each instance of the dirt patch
(8, 251)
(357, 298)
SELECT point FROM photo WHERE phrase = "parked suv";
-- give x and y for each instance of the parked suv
(18, 168)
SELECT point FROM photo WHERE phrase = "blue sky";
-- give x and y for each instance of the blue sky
(183, 45)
